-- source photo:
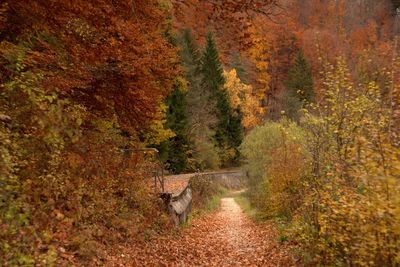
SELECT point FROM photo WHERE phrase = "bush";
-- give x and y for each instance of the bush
(276, 161)
(206, 191)
(61, 172)
(349, 216)
(206, 155)
(336, 176)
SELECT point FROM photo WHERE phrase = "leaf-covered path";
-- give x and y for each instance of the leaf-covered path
(225, 238)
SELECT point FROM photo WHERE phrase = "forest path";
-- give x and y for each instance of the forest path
(226, 237)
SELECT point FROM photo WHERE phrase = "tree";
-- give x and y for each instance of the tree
(270, 49)
(76, 89)
(299, 86)
(108, 56)
(200, 108)
(237, 64)
(300, 82)
(228, 130)
(175, 151)
(242, 98)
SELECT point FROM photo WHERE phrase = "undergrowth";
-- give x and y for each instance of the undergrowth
(243, 200)
(207, 194)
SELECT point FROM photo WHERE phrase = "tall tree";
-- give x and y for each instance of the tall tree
(242, 97)
(299, 86)
(200, 111)
(175, 151)
(228, 130)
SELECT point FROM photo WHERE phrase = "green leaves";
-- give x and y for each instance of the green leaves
(299, 87)
(337, 173)
(175, 151)
(228, 129)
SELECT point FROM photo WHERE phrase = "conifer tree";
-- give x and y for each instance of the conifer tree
(299, 87)
(175, 151)
(200, 109)
(228, 129)
(299, 82)
(190, 58)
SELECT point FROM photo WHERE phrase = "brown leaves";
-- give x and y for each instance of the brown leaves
(224, 238)
(108, 56)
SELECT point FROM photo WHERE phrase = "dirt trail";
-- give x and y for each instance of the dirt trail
(225, 238)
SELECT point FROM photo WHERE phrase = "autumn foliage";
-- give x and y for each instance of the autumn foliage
(80, 82)
(310, 87)
(101, 58)
(334, 176)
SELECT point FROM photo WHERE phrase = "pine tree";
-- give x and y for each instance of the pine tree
(299, 82)
(200, 110)
(190, 57)
(299, 87)
(175, 151)
(228, 130)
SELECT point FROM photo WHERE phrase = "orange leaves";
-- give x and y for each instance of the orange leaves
(107, 56)
(223, 238)
(242, 96)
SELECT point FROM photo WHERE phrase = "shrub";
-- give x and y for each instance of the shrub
(61, 172)
(206, 190)
(335, 176)
(276, 161)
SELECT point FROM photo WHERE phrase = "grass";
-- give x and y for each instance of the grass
(210, 204)
(279, 222)
(215, 200)
(245, 204)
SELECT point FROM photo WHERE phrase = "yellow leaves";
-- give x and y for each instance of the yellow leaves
(181, 83)
(157, 133)
(260, 54)
(236, 89)
(277, 162)
(74, 160)
(241, 96)
(356, 222)
(82, 29)
(357, 225)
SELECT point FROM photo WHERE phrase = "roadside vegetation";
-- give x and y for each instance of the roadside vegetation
(333, 176)
(207, 193)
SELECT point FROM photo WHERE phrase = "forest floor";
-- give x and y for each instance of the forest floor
(224, 237)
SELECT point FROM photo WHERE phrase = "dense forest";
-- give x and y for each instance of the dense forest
(304, 96)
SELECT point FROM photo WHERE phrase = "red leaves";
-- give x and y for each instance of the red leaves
(225, 238)
(107, 55)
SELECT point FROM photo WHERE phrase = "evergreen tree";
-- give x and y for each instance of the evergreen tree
(199, 109)
(299, 87)
(175, 151)
(190, 57)
(228, 130)
(299, 82)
